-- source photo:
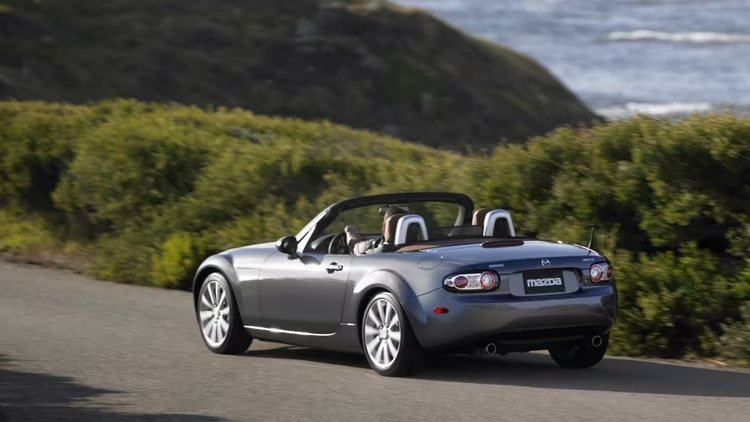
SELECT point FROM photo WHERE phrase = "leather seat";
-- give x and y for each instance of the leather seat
(389, 233)
(477, 218)
(413, 231)
(501, 227)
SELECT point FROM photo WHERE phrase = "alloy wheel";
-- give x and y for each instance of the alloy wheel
(382, 334)
(214, 313)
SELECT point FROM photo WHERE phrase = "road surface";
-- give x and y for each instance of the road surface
(74, 349)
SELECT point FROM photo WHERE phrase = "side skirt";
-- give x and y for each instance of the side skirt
(345, 339)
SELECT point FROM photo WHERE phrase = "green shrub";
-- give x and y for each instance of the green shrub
(21, 233)
(36, 144)
(735, 342)
(152, 189)
(127, 177)
(672, 303)
(662, 183)
(126, 256)
(126, 168)
(174, 265)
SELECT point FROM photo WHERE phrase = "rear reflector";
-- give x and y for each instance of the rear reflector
(440, 310)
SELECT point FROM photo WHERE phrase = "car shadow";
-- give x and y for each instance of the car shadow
(28, 396)
(537, 370)
(313, 355)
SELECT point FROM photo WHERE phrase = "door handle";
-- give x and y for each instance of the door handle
(334, 266)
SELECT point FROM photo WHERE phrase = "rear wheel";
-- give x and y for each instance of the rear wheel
(582, 355)
(388, 341)
(218, 317)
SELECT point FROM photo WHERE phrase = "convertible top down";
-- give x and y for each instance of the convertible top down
(437, 274)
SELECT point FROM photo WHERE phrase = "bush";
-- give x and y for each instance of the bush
(146, 183)
(151, 189)
(672, 304)
(735, 343)
(661, 183)
(126, 168)
(174, 265)
(20, 233)
(36, 145)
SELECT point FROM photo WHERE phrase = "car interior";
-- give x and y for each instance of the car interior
(412, 228)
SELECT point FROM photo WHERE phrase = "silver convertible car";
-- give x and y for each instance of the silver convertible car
(397, 275)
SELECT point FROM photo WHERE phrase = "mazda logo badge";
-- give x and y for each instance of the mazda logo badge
(545, 263)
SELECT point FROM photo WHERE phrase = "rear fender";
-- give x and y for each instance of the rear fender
(380, 280)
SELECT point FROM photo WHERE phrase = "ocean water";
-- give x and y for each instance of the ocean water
(624, 57)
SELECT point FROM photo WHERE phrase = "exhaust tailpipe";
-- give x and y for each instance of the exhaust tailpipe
(596, 340)
(490, 348)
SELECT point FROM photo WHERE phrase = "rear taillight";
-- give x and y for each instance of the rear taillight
(461, 282)
(487, 280)
(472, 282)
(601, 272)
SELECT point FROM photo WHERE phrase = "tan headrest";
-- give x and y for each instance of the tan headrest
(478, 218)
(389, 233)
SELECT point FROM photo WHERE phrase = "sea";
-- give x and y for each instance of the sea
(624, 57)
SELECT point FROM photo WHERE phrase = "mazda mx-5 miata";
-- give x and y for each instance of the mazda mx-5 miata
(396, 275)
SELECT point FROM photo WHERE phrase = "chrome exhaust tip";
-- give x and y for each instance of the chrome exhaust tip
(490, 348)
(597, 340)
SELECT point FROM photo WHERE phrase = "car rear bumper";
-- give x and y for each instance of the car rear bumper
(521, 323)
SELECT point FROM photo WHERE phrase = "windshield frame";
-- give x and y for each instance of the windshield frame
(321, 222)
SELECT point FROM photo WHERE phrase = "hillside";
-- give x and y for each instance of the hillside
(392, 70)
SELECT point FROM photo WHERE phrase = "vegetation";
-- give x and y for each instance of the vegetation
(735, 343)
(148, 190)
(360, 63)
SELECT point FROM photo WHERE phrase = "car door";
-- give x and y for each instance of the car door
(304, 294)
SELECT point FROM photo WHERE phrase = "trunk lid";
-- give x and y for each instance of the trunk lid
(531, 268)
(528, 250)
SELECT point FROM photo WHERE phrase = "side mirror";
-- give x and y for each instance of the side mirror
(287, 245)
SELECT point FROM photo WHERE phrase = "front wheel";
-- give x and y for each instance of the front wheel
(218, 317)
(581, 355)
(390, 346)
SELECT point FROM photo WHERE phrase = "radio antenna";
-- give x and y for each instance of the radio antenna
(591, 237)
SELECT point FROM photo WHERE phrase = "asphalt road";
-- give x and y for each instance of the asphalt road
(77, 349)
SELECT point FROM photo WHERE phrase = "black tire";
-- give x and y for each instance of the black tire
(409, 353)
(582, 355)
(236, 339)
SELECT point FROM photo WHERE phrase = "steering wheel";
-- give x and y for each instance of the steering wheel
(338, 245)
